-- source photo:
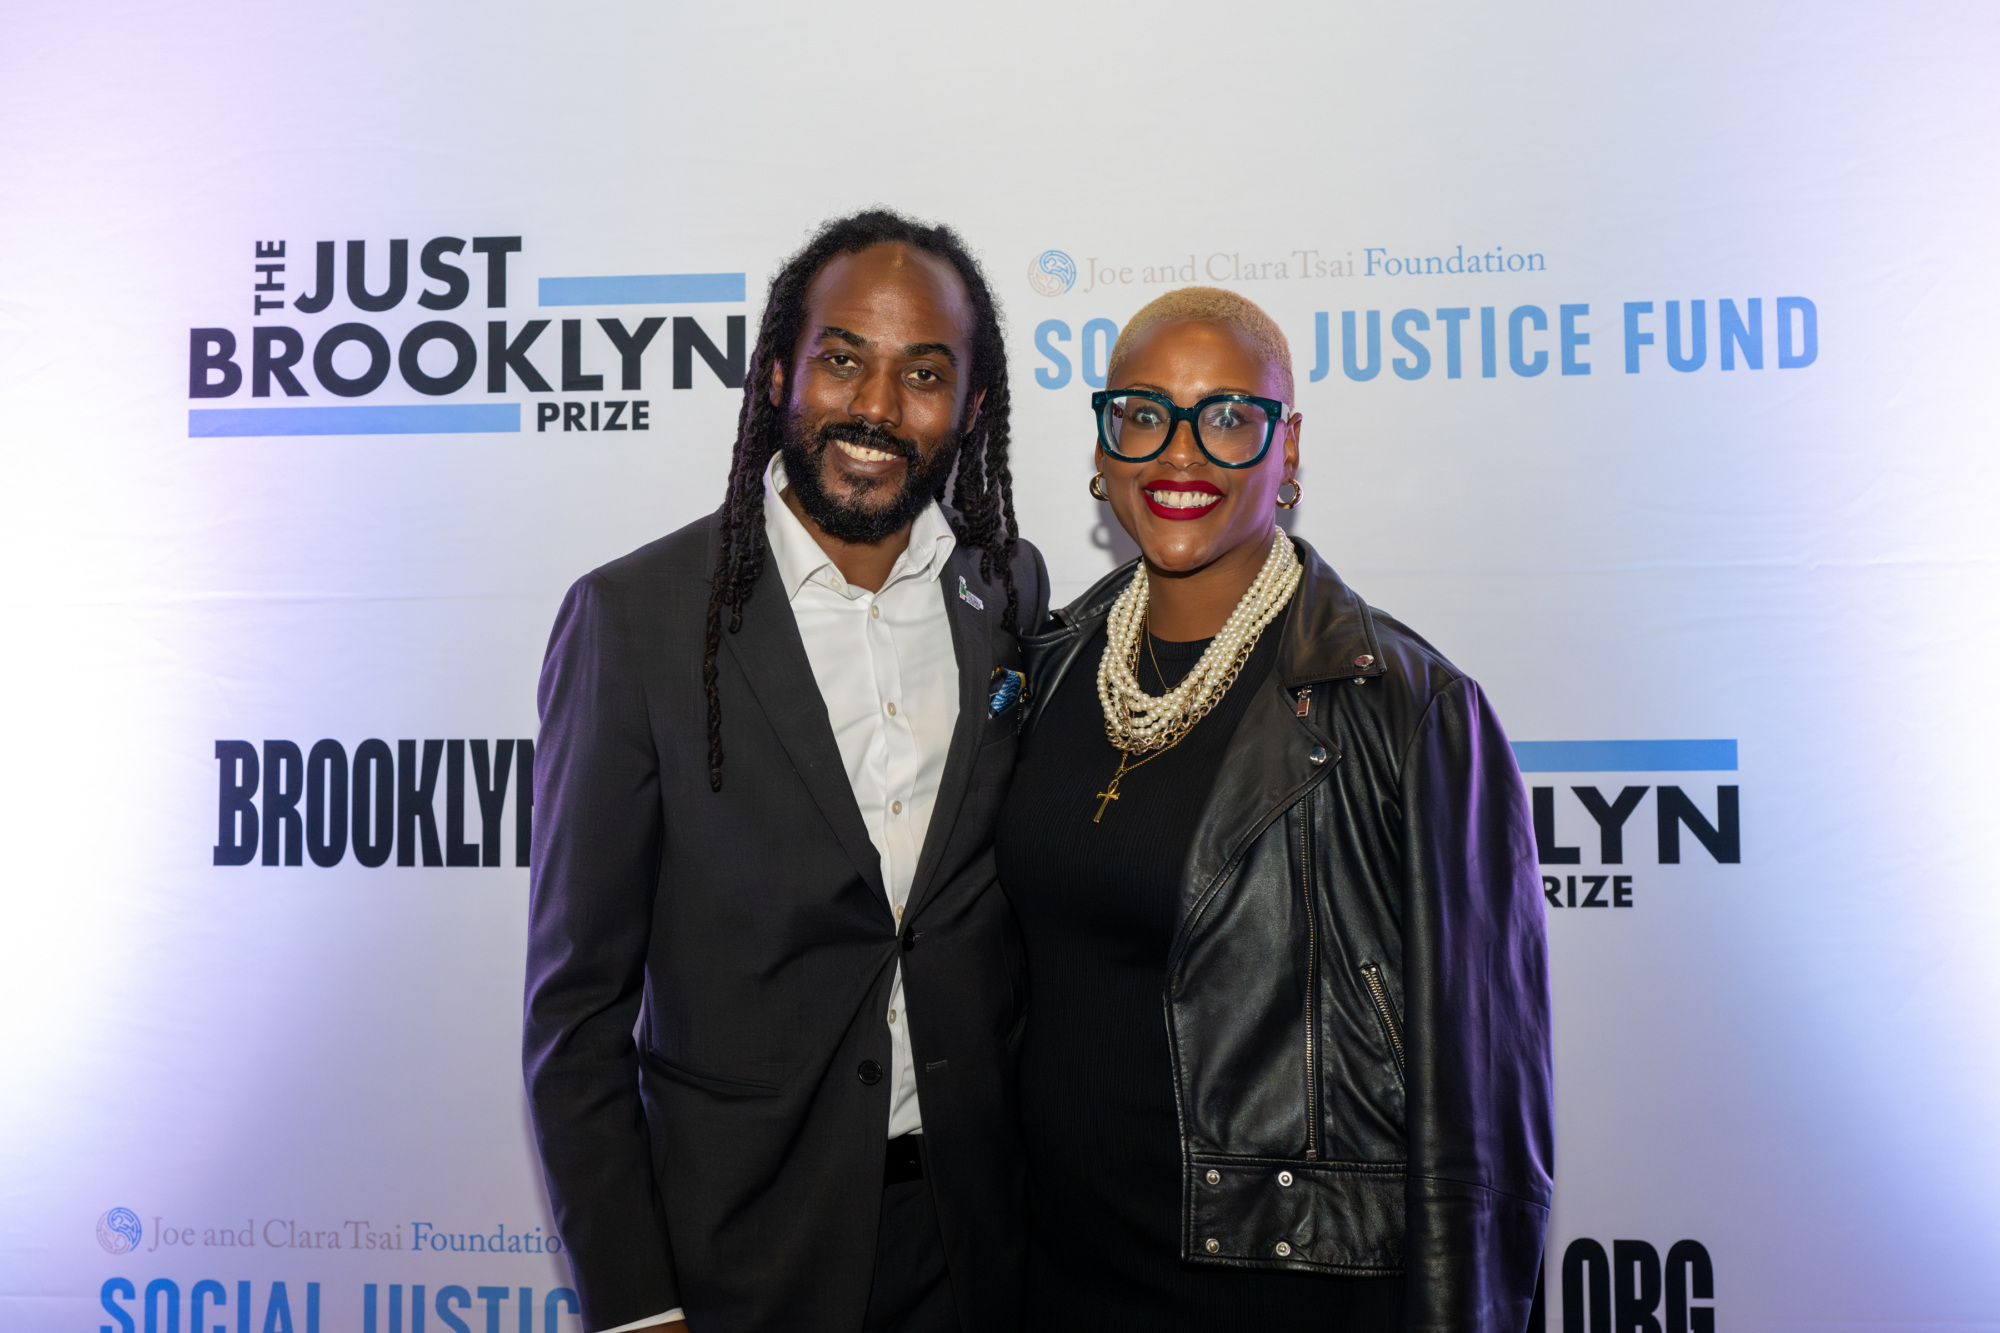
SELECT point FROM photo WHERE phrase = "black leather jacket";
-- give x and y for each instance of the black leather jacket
(1357, 996)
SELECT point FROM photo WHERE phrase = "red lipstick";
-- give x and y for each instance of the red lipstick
(1197, 499)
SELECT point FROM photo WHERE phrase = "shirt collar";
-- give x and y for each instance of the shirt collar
(800, 559)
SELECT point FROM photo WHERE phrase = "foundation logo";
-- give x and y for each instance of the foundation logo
(1052, 273)
(119, 1230)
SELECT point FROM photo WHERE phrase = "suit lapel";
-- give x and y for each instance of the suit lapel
(972, 630)
(772, 657)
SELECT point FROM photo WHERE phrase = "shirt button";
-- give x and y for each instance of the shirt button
(874, 613)
(869, 1072)
(895, 807)
(899, 911)
(892, 708)
(838, 586)
(892, 1015)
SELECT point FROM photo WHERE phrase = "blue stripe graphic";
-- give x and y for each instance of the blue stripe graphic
(643, 289)
(1625, 756)
(410, 419)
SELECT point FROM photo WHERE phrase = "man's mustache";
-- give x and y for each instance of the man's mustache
(868, 437)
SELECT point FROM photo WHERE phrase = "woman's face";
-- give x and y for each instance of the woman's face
(1187, 360)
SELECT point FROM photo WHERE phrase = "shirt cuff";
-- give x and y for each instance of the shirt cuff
(650, 1321)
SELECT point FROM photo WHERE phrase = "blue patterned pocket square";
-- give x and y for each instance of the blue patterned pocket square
(1006, 686)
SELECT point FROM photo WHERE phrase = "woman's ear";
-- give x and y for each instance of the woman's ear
(1292, 444)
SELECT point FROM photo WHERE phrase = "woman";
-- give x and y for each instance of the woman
(1287, 1062)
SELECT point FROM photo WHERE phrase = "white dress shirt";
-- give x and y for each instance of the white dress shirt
(888, 671)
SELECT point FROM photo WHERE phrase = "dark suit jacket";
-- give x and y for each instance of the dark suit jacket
(708, 972)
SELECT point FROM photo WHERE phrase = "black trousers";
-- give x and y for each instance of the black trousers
(912, 1291)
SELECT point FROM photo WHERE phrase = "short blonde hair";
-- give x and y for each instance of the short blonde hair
(1220, 306)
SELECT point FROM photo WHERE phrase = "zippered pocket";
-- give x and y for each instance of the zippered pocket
(1378, 991)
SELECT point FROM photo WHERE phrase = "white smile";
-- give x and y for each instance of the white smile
(1184, 499)
(862, 454)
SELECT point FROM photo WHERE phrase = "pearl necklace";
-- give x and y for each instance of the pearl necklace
(1135, 721)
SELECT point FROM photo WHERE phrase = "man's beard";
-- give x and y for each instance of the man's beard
(859, 522)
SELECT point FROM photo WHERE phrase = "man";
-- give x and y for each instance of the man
(773, 988)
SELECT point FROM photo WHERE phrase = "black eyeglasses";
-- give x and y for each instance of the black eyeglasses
(1230, 429)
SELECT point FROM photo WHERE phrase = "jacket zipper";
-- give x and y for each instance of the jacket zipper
(1312, 978)
(1380, 994)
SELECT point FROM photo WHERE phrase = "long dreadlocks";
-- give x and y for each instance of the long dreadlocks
(983, 494)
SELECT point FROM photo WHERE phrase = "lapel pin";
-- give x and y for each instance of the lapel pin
(965, 595)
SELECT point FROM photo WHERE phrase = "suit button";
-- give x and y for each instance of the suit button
(1318, 754)
(1284, 1177)
(1214, 1177)
(869, 1072)
(1214, 1246)
(1284, 1249)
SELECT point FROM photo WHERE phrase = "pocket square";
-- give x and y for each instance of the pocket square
(1006, 689)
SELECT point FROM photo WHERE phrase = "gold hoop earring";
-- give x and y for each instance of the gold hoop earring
(1097, 486)
(1298, 493)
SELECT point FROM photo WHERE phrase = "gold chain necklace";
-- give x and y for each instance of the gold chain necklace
(1125, 764)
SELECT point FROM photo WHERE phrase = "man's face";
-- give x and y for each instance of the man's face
(874, 396)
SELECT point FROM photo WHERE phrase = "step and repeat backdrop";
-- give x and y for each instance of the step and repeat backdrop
(1647, 359)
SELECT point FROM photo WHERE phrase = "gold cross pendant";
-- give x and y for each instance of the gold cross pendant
(1110, 792)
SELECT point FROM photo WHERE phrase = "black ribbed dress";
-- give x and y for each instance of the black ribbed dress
(1098, 905)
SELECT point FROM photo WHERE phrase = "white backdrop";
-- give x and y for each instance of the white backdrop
(301, 1082)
